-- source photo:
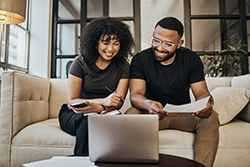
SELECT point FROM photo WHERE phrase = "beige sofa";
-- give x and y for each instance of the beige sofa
(29, 129)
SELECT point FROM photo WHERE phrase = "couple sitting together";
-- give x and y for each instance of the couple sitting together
(161, 74)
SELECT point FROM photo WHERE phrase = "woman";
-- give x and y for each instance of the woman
(102, 66)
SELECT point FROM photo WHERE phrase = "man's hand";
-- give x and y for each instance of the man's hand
(155, 107)
(200, 91)
(206, 112)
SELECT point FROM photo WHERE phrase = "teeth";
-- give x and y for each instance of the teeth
(161, 54)
(109, 54)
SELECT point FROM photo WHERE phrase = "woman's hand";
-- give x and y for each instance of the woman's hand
(90, 108)
(112, 100)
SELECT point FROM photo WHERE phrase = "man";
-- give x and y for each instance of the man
(164, 74)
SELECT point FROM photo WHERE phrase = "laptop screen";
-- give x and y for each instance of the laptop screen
(123, 138)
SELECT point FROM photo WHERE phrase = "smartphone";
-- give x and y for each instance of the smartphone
(79, 105)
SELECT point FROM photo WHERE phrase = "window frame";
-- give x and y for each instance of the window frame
(6, 34)
(222, 16)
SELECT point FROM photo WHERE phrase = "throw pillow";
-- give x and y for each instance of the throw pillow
(229, 101)
(241, 81)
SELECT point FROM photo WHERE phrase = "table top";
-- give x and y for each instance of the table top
(164, 160)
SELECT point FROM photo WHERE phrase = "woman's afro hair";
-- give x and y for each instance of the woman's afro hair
(106, 26)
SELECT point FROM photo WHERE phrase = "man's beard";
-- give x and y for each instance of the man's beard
(169, 56)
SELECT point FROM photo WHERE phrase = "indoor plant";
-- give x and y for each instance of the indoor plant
(224, 62)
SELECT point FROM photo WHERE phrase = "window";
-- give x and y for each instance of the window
(69, 18)
(15, 42)
(214, 24)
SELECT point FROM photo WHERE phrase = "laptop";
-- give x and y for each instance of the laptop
(123, 138)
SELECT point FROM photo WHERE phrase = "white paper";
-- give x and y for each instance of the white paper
(56, 161)
(114, 112)
(92, 113)
(37, 163)
(187, 108)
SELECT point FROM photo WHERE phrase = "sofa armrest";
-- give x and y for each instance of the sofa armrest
(58, 95)
(24, 99)
(245, 113)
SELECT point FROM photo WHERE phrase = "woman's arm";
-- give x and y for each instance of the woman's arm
(112, 102)
(74, 89)
(119, 95)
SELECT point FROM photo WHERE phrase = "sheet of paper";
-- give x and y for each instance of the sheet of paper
(93, 113)
(37, 163)
(62, 161)
(187, 108)
(76, 161)
(114, 112)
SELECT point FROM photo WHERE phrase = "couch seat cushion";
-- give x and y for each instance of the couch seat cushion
(176, 142)
(46, 133)
(235, 135)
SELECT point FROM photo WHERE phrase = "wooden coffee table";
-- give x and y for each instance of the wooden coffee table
(164, 160)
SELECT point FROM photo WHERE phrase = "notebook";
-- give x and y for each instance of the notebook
(123, 138)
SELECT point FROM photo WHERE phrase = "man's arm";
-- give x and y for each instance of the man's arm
(200, 91)
(138, 100)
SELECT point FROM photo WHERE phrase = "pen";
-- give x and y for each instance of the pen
(112, 92)
(109, 89)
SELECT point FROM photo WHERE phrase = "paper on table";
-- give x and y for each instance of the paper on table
(76, 161)
(37, 163)
(187, 108)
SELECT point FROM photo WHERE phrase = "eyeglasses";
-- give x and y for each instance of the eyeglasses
(166, 45)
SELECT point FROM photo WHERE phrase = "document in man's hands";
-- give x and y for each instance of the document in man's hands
(187, 108)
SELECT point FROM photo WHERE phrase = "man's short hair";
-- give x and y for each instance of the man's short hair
(171, 23)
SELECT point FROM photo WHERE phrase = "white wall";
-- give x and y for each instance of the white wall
(154, 10)
(39, 63)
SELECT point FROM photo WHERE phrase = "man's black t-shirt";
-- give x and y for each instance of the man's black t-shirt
(167, 83)
(94, 79)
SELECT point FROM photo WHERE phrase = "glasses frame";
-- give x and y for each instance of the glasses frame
(165, 42)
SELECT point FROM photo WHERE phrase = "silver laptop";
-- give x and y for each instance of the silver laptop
(123, 138)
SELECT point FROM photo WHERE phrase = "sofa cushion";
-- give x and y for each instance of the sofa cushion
(58, 96)
(45, 134)
(214, 82)
(241, 81)
(245, 113)
(234, 145)
(235, 135)
(229, 101)
(176, 142)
